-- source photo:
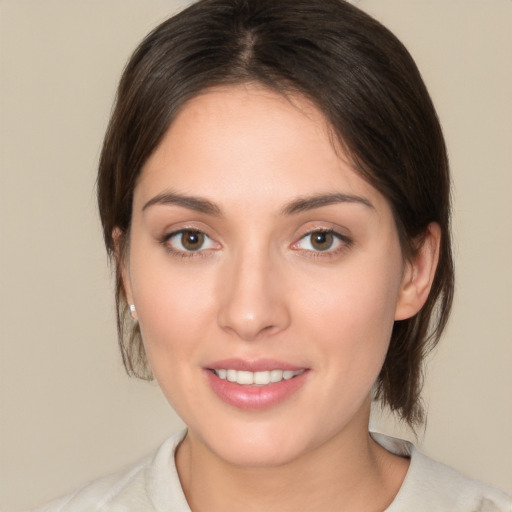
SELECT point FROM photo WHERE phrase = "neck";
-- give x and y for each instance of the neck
(349, 472)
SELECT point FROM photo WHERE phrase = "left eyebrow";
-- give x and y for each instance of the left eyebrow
(307, 203)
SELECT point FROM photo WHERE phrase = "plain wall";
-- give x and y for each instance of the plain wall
(68, 412)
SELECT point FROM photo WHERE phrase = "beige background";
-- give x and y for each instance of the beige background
(68, 413)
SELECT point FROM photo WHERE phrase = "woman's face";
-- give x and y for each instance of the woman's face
(258, 254)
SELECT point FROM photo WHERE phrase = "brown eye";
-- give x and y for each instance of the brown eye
(322, 240)
(189, 241)
(192, 240)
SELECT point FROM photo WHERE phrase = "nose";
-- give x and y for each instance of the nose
(253, 299)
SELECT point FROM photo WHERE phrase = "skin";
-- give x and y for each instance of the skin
(258, 288)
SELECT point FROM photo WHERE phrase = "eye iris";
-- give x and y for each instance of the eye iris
(192, 240)
(322, 241)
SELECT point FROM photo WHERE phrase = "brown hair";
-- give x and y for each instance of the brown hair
(368, 87)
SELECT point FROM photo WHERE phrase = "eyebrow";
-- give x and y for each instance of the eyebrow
(307, 203)
(192, 203)
(299, 205)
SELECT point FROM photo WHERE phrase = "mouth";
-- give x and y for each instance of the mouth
(260, 378)
(255, 385)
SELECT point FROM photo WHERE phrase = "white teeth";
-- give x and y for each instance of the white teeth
(259, 378)
(245, 378)
(276, 375)
(262, 378)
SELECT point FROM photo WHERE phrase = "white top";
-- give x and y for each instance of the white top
(153, 486)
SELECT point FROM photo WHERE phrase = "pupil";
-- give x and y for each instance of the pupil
(192, 240)
(322, 241)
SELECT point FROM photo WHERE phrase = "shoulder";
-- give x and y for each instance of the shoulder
(431, 486)
(139, 487)
(106, 493)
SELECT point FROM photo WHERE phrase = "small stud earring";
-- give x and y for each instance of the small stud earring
(132, 312)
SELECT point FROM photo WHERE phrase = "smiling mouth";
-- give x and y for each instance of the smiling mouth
(263, 378)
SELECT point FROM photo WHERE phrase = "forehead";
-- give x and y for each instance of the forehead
(234, 141)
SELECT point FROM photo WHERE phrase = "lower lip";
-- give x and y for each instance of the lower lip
(255, 397)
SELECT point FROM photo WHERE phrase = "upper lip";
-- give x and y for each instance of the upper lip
(255, 365)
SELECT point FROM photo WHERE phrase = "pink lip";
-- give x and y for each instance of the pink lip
(254, 397)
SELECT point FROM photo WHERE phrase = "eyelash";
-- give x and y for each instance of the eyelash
(183, 253)
(344, 244)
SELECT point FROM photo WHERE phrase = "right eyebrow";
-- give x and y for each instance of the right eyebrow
(198, 204)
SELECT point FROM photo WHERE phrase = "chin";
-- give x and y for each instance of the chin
(256, 444)
(258, 454)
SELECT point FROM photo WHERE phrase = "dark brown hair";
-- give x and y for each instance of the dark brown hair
(368, 87)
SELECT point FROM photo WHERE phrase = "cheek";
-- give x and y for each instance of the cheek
(359, 297)
(174, 306)
(175, 312)
(353, 310)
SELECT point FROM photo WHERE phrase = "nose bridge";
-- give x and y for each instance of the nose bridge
(252, 301)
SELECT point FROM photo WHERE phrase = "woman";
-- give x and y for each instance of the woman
(274, 192)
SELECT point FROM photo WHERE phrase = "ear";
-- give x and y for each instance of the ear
(122, 268)
(419, 274)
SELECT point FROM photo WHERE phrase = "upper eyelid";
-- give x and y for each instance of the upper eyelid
(169, 232)
(334, 231)
(323, 230)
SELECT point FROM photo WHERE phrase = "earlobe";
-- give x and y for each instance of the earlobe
(419, 274)
(122, 270)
